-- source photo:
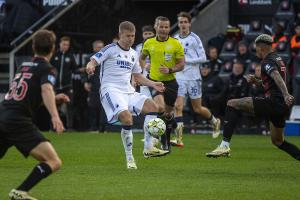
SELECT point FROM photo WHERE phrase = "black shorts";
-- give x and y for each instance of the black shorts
(170, 94)
(274, 109)
(21, 133)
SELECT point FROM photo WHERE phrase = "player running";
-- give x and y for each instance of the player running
(189, 79)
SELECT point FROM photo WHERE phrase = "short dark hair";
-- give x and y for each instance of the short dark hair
(148, 28)
(65, 38)
(185, 14)
(161, 18)
(126, 25)
(43, 42)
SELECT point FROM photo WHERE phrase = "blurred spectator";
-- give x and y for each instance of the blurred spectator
(64, 61)
(237, 86)
(295, 46)
(256, 90)
(212, 90)
(243, 53)
(295, 40)
(217, 42)
(214, 62)
(97, 117)
(278, 35)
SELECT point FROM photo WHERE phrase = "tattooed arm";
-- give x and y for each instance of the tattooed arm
(282, 87)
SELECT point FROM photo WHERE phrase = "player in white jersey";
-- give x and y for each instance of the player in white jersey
(189, 80)
(147, 31)
(118, 62)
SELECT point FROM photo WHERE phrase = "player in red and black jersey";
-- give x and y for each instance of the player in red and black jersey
(274, 106)
(32, 86)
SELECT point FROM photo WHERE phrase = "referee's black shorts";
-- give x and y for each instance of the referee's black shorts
(20, 132)
(272, 108)
(170, 93)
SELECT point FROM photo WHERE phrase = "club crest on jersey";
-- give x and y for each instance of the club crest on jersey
(51, 79)
(98, 55)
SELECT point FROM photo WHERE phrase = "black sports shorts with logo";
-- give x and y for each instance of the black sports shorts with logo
(18, 131)
(272, 108)
(170, 93)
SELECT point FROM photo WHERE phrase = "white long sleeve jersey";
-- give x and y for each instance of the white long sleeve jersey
(194, 55)
(117, 66)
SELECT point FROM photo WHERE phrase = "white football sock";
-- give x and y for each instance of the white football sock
(224, 143)
(213, 120)
(127, 139)
(148, 138)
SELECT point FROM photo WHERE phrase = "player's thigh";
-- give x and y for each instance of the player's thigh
(194, 89)
(245, 104)
(170, 94)
(182, 88)
(44, 152)
(113, 103)
(137, 103)
(159, 100)
(150, 107)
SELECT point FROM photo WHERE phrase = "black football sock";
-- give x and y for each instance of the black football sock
(230, 121)
(38, 173)
(170, 126)
(290, 149)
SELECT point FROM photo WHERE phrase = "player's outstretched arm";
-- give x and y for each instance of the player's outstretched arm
(142, 80)
(289, 99)
(91, 66)
(49, 101)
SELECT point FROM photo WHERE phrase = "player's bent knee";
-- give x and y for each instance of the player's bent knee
(125, 118)
(55, 164)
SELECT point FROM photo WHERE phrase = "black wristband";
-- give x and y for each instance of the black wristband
(170, 70)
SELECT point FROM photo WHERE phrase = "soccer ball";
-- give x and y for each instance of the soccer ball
(156, 127)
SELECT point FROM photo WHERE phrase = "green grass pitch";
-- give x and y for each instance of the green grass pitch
(94, 167)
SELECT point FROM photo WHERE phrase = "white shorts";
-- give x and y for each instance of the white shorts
(145, 91)
(115, 102)
(189, 87)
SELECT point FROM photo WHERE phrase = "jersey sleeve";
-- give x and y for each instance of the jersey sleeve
(268, 68)
(201, 56)
(102, 55)
(179, 51)
(48, 75)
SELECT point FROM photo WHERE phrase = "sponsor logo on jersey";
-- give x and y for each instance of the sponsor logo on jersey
(124, 64)
(268, 67)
